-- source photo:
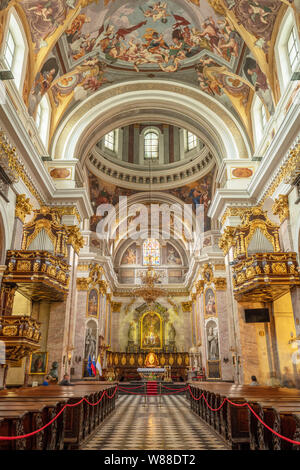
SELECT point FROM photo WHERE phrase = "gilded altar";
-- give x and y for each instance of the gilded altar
(125, 364)
(151, 330)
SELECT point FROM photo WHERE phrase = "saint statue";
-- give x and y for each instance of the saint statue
(131, 332)
(172, 333)
(213, 346)
(90, 344)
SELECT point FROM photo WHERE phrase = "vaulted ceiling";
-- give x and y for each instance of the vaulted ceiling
(224, 48)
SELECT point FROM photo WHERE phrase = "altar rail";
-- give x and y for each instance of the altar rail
(27, 409)
(277, 407)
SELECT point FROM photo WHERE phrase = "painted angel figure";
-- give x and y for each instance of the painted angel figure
(157, 12)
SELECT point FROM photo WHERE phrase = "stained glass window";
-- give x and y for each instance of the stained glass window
(151, 252)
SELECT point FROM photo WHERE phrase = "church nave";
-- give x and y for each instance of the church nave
(171, 426)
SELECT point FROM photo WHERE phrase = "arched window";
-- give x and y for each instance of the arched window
(287, 49)
(15, 48)
(151, 252)
(190, 141)
(42, 119)
(151, 144)
(259, 119)
(293, 49)
(110, 141)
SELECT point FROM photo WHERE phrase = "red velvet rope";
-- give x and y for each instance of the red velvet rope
(10, 438)
(133, 388)
(252, 411)
(68, 405)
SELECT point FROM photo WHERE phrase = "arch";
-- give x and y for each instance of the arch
(100, 113)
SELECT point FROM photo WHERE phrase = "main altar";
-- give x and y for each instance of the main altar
(151, 343)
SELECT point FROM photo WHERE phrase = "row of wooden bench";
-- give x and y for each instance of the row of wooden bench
(279, 408)
(26, 409)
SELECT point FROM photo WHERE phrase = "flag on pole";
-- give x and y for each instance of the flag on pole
(98, 365)
(93, 366)
(89, 366)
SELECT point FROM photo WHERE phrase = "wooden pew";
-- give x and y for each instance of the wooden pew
(75, 424)
(278, 407)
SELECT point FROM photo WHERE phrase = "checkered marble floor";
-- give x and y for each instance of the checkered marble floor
(171, 426)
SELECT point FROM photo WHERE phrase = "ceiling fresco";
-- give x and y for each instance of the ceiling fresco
(221, 47)
(199, 192)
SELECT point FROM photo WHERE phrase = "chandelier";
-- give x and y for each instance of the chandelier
(148, 291)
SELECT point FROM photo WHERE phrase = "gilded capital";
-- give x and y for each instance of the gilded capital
(75, 238)
(103, 287)
(281, 207)
(186, 306)
(67, 210)
(23, 207)
(200, 286)
(116, 306)
(220, 283)
(82, 283)
(227, 239)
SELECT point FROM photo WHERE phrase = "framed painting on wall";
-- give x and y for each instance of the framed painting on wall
(38, 363)
(92, 309)
(210, 307)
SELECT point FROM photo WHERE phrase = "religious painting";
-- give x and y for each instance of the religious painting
(258, 17)
(199, 195)
(81, 81)
(151, 331)
(241, 172)
(60, 173)
(42, 82)
(129, 256)
(159, 34)
(212, 338)
(258, 79)
(207, 241)
(44, 18)
(173, 256)
(102, 192)
(4, 4)
(38, 363)
(210, 302)
(93, 303)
